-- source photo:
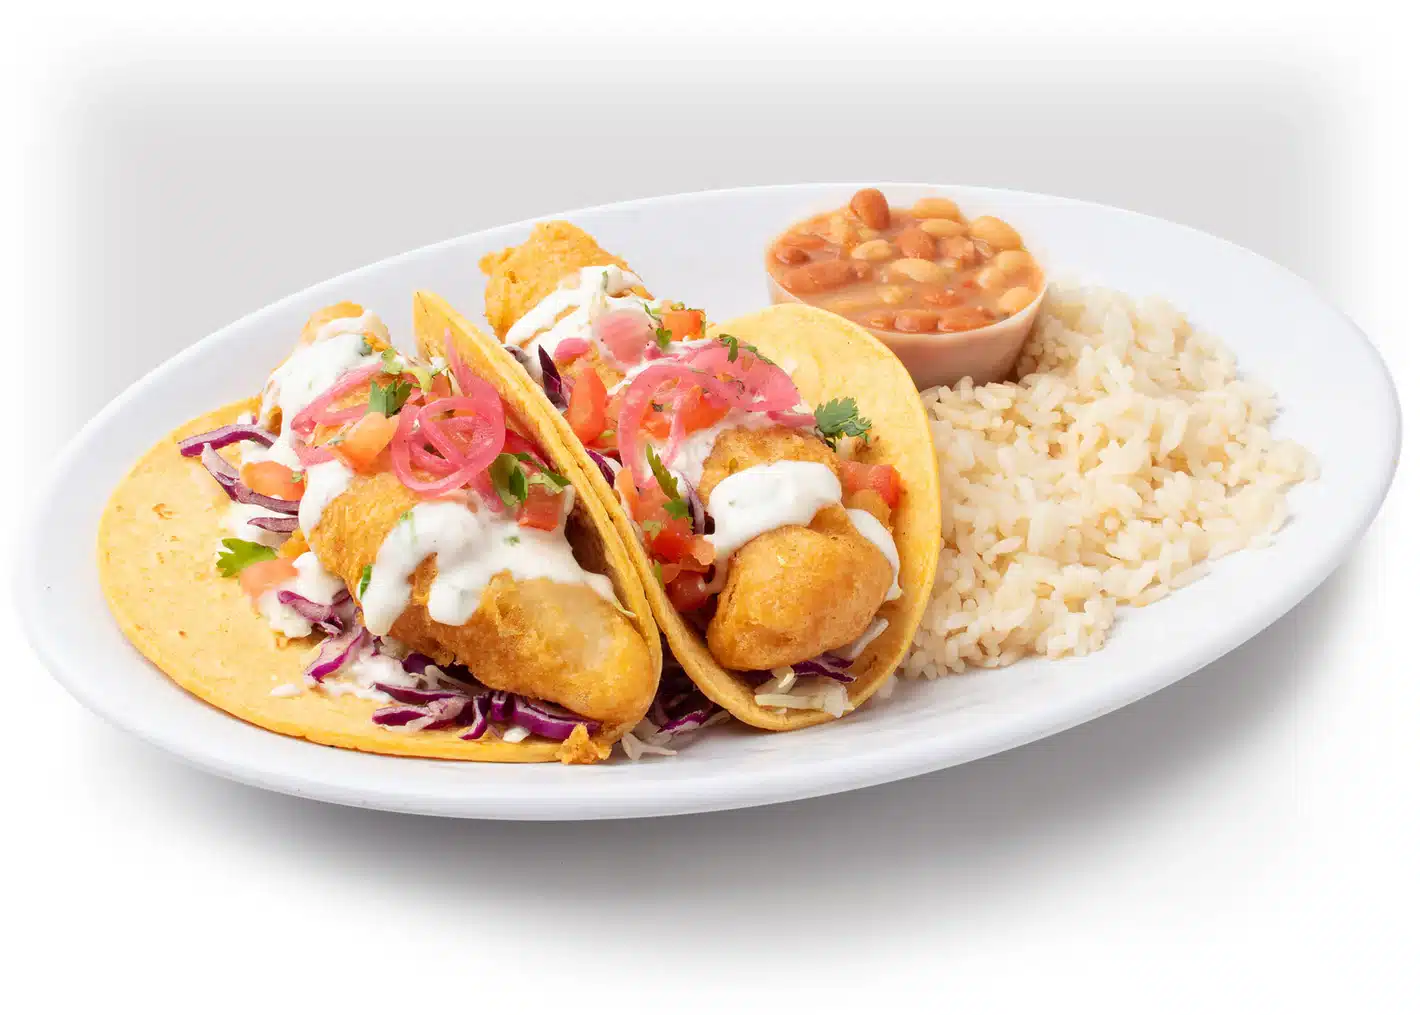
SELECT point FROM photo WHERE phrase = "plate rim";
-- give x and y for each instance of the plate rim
(909, 758)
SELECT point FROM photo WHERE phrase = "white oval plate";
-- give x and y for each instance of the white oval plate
(705, 249)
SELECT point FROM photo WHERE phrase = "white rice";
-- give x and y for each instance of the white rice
(1129, 455)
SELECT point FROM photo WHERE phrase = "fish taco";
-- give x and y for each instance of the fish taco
(773, 476)
(385, 553)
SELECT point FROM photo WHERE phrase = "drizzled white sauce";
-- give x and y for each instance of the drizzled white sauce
(469, 548)
(689, 457)
(324, 482)
(312, 582)
(311, 370)
(584, 298)
(876, 533)
(763, 498)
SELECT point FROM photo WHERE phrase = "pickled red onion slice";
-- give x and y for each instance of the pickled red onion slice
(318, 412)
(624, 333)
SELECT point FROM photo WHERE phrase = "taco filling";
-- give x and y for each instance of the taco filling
(395, 510)
(765, 530)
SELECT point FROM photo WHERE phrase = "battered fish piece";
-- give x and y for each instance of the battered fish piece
(551, 640)
(798, 591)
(519, 277)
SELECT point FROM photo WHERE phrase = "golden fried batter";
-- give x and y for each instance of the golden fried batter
(740, 448)
(519, 277)
(550, 640)
(800, 590)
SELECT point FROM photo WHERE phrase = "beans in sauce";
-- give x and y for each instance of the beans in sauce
(912, 270)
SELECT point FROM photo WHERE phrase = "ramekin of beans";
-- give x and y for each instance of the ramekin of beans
(953, 297)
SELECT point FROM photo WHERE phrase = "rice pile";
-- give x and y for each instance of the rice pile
(1129, 455)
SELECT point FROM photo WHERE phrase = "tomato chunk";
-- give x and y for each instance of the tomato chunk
(272, 479)
(586, 406)
(881, 479)
(366, 439)
(683, 324)
(687, 591)
(542, 510)
(265, 575)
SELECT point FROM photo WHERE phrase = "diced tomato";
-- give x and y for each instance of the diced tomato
(673, 540)
(515, 443)
(542, 510)
(366, 439)
(683, 324)
(882, 479)
(698, 412)
(687, 591)
(586, 406)
(265, 575)
(272, 479)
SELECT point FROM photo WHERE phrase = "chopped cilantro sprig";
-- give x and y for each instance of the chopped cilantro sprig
(839, 418)
(676, 507)
(512, 482)
(389, 398)
(240, 554)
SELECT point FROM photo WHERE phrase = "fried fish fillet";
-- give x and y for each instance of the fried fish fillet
(519, 277)
(551, 640)
(797, 591)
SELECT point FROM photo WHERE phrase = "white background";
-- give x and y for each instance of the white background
(1245, 840)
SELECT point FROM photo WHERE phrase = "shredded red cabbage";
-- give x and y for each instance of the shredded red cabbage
(280, 523)
(336, 651)
(700, 521)
(417, 663)
(416, 695)
(331, 619)
(552, 384)
(191, 447)
(231, 483)
(607, 465)
(479, 725)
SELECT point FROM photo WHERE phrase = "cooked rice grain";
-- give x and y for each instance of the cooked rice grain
(1129, 455)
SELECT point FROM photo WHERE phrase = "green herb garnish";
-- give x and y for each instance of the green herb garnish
(365, 347)
(652, 527)
(663, 334)
(512, 540)
(735, 345)
(389, 398)
(240, 553)
(838, 418)
(364, 582)
(389, 364)
(509, 480)
(544, 476)
(676, 506)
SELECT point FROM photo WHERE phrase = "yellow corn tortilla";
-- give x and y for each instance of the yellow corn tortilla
(157, 548)
(828, 357)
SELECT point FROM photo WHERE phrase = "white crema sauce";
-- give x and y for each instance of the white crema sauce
(312, 582)
(582, 298)
(876, 533)
(762, 498)
(469, 547)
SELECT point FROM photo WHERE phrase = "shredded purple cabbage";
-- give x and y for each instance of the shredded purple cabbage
(608, 466)
(336, 651)
(191, 447)
(332, 619)
(276, 523)
(231, 483)
(552, 384)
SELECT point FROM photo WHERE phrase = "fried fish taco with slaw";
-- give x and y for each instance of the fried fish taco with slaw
(387, 554)
(774, 476)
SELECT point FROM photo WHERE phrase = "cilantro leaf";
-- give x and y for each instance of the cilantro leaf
(652, 528)
(389, 363)
(663, 334)
(239, 553)
(390, 398)
(364, 581)
(544, 477)
(509, 480)
(838, 418)
(736, 346)
(512, 540)
(676, 506)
